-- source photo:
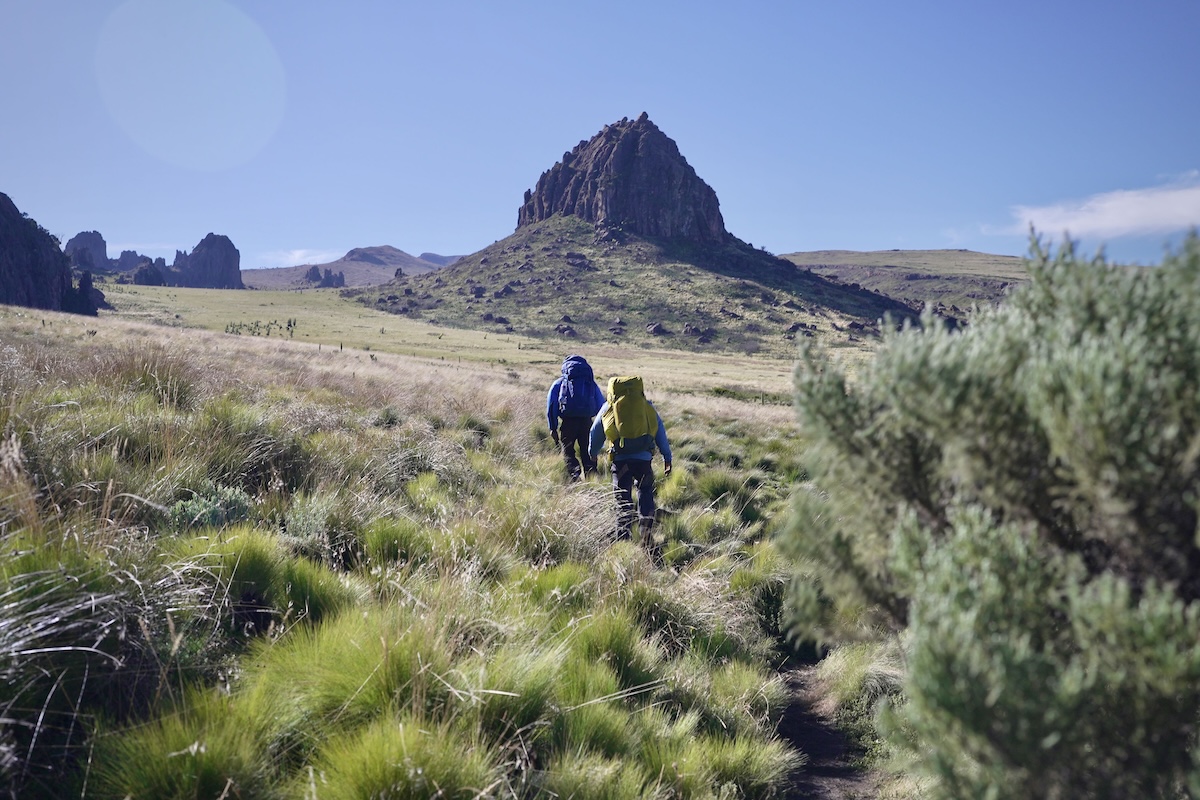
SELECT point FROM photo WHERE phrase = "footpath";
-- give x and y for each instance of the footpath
(830, 772)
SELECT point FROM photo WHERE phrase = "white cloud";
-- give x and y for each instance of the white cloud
(1162, 209)
(292, 258)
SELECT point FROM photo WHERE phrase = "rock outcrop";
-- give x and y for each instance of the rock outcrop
(34, 271)
(629, 177)
(129, 260)
(214, 264)
(88, 251)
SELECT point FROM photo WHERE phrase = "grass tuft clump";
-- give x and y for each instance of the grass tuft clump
(400, 756)
(259, 584)
(614, 637)
(396, 540)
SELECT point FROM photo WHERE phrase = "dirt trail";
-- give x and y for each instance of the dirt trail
(830, 773)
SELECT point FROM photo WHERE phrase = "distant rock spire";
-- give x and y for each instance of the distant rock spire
(629, 176)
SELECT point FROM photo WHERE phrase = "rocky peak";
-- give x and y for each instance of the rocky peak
(214, 264)
(88, 251)
(630, 176)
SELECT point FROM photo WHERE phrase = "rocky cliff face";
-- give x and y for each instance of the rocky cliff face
(88, 251)
(33, 270)
(630, 177)
(214, 264)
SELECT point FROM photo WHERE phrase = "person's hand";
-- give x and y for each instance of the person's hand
(666, 468)
(554, 436)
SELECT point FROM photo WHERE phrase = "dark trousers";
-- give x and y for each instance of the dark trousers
(626, 476)
(574, 432)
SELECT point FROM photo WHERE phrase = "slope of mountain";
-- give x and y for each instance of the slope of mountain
(622, 241)
(362, 266)
(952, 278)
(441, 261)
(34, 271)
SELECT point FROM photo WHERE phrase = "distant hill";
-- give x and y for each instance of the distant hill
(441, 261)
(954, 278)
(621, 241)
(362, 266)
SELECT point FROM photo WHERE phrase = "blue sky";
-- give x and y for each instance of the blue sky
(304, 129)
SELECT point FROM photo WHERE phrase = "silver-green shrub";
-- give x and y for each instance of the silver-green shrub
(1019, 498)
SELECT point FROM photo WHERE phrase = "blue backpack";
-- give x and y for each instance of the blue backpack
(577, 391)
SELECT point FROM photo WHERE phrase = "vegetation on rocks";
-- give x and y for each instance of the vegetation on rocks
(563, 279)
(1000, 533)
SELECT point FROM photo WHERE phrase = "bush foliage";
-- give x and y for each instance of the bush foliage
(1017, 503)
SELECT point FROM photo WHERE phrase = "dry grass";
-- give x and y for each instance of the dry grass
(340, 484)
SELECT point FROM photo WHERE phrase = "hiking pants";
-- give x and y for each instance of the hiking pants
(627, 475)
(574, 432)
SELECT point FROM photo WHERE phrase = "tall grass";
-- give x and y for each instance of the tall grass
(227, 572)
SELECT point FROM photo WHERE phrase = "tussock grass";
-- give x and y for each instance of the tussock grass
(511, 692)
(402, 756)
(857, 677)
(753, 768)
(397, 539)
(201, 750)
(587, 776)
(303, 572)
(261, 584)
(342, 674)
(614, 637)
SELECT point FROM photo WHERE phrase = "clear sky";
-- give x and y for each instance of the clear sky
(304, 129)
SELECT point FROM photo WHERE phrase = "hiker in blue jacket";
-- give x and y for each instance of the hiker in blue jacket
(573, 400)
(631, 426)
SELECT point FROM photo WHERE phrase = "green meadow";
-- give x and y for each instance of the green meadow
(272, 545)
(346, 563)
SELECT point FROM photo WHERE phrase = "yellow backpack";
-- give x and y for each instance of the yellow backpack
(629, 416)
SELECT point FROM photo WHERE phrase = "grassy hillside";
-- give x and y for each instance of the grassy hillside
(953, 278)
(254, 566)
(554, 281)
(322, 317)
(362, 266)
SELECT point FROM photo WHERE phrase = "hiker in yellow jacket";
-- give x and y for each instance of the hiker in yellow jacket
(632, 428)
